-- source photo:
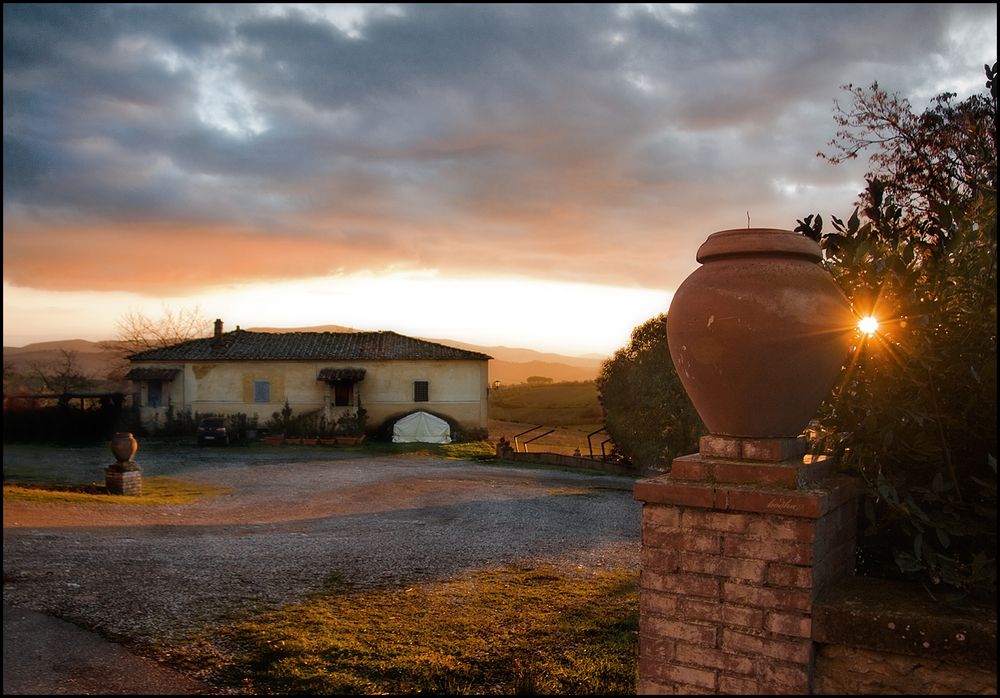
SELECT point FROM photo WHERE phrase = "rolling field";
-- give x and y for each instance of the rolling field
(572, 409)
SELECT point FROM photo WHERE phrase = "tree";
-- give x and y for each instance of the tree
(647, 412)
(947, 153)
(915, 415)
(138, 332)
(63, 375)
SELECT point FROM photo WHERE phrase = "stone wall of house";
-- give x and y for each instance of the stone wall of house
(457, 389)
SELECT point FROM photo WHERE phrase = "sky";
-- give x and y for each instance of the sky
(535, 176)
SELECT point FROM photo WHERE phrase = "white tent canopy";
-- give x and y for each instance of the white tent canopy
(421, 426)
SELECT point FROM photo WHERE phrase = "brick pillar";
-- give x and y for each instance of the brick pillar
(119, 481)
(737, 541)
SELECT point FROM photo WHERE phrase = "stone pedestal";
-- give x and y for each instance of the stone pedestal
(737, 542)
(120, 480)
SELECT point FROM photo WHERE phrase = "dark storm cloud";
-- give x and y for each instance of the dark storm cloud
(588, 142)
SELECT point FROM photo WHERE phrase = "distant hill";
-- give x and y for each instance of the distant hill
(509, 372)
(517, 355)
(91, 358)
(317, 328)
(79, 345)
(509, 365)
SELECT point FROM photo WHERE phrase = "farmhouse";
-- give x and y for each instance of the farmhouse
(332, 373)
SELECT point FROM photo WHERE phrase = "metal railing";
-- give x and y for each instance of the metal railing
(518, 444)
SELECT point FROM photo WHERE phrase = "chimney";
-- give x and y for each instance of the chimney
(218, 332)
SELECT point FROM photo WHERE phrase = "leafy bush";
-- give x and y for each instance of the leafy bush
(647, 412)
(915, 415)
(281, 422)
(178, 423)
(238, 425)
(352, 423)
(62, 424)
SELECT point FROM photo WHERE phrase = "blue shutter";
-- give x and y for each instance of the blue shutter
(261, 391)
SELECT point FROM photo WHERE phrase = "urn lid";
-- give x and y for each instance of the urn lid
(758, 241)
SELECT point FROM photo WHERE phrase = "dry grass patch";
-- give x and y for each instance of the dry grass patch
(156, 491)
(511, 630)
(466, 450)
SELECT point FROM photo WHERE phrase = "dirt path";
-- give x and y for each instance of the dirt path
(150, 575)
(280, 494)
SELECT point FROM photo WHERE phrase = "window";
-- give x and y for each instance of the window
(420, 391)
(262, 391)
(342, 393)
(155, 393)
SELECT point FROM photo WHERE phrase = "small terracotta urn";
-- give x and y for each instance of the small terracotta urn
(759, 333)
(123, 446)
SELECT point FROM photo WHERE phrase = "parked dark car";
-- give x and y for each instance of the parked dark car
(212, 430)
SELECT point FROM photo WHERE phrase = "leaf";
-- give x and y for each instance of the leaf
(943, 537)
(937, 484)
(908, 563)
(853, 222)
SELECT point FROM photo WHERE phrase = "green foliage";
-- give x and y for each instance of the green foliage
(177, 423)
(238, 425)
(915, 415)
(65, 424)
(281, 422)
(352, 423)
(647, 412)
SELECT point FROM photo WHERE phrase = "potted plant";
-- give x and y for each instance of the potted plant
(350, 428)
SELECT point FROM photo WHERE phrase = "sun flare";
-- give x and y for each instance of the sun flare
(868, 325)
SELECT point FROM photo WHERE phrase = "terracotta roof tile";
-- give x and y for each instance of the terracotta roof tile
(242, 345)
(152, 374)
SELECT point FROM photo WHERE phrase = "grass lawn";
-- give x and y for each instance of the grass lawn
(512, 630)
(553, 404)
(155, 491)
(469, 450)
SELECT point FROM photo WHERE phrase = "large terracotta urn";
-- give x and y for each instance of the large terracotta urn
(123, 446)
(759, 333)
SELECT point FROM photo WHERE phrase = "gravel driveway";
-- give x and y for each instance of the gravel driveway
(145, 574)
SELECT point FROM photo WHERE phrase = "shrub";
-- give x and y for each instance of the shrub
(915, 415)
(647, 412)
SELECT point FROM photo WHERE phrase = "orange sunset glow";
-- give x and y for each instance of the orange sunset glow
(536, 176)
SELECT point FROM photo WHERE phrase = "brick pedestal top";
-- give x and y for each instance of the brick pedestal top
(739, 448)
(813, 502)
(751, 475)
